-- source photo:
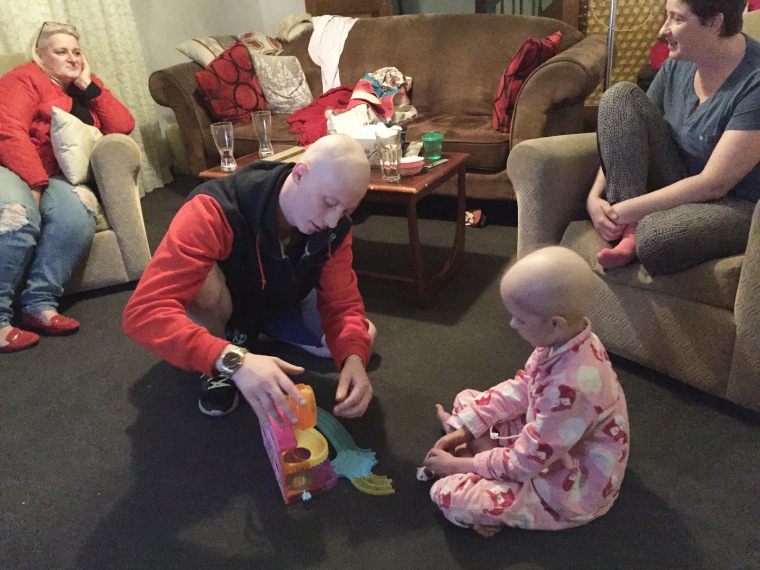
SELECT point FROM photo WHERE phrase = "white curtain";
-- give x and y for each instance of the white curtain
(111, 43)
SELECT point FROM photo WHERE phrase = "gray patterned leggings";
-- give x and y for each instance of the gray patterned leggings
(638, 155)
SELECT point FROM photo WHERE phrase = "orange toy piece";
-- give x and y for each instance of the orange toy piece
(298, 452)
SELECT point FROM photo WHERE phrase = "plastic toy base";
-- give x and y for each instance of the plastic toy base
(322, 478)
(299, 456)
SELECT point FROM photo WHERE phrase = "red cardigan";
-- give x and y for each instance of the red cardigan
(26, 110)
(199, 235)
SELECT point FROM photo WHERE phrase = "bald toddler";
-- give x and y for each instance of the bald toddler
(547, 449)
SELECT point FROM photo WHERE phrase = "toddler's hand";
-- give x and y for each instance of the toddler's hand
(451, 441)
(443, 463)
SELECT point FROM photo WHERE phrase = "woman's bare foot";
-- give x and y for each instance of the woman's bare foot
(484, 530)
(45, 315)
(4, 332)
(443, 417)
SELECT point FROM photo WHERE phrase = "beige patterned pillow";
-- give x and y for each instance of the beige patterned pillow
(283, 82)
(258, 43)
(204, 50)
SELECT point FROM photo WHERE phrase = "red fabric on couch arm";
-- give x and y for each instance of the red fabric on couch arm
(229, 85)
(531, 54)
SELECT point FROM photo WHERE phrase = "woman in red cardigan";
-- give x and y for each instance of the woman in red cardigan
(45, 227)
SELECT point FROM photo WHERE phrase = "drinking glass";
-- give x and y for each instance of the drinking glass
(389, 145)
(262, 124)
(224, 139)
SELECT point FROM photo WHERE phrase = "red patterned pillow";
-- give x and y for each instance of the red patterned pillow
(230, 87)
(531, 54)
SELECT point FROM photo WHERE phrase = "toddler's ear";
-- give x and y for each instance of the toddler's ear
(559, 322)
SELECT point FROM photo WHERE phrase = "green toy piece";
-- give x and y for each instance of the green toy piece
(352, 462)
(374, 485)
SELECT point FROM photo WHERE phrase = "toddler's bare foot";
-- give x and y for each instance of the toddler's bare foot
(484, 530)
(443, 417)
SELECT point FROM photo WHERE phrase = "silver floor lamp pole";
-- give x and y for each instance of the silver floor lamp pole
(610, 45)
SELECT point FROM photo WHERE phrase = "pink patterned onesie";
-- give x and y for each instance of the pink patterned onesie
(564, 464)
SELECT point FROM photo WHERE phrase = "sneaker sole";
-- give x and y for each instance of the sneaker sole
(219, 413)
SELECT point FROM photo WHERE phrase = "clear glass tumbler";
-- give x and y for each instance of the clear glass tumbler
(224, 139)
(389, 147)
(262, 124)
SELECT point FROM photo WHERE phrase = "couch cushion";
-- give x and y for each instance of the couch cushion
(453, 70)
(229, 85)
(713, 283)
(465, 133)
(531, 54)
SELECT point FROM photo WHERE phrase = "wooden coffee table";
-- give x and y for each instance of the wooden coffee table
(281, 152)
(408, 191)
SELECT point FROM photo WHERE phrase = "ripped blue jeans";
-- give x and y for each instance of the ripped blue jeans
(44, 243)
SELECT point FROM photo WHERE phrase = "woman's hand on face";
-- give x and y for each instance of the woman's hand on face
(85, 77)
(604, 218)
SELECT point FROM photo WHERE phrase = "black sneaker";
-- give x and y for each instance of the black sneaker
(219, 396)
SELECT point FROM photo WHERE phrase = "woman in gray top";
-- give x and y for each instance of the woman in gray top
(680, 168)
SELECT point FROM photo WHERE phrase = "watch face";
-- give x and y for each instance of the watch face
(232, 361)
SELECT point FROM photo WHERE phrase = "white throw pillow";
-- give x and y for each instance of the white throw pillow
(73, 142)
(205, 50)
(283, 82)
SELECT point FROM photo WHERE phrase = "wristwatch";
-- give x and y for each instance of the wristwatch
(231, 361)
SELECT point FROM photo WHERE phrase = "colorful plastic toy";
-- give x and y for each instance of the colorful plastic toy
(351, 461)
(298, 452)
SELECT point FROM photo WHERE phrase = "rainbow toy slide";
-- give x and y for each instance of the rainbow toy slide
(299, 453)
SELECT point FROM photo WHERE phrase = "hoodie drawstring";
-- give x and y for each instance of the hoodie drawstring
(261, 264)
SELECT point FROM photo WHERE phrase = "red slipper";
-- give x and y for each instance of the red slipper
(19, 340)
(59, 325)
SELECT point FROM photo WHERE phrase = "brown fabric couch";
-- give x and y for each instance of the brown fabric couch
(456, 61)
(700, 326)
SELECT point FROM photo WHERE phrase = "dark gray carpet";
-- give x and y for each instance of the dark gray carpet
(107, 464)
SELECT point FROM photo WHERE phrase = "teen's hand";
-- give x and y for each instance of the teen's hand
(354, 389)
(263, 382)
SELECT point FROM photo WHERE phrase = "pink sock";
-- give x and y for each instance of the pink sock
(623, 253)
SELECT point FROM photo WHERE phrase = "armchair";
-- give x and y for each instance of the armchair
(700, 326)
(120, 250)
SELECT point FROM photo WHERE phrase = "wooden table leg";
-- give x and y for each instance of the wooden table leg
(456, 256)
(420, 283)
(426, 287)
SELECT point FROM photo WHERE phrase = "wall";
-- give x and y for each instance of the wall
(163, 25)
